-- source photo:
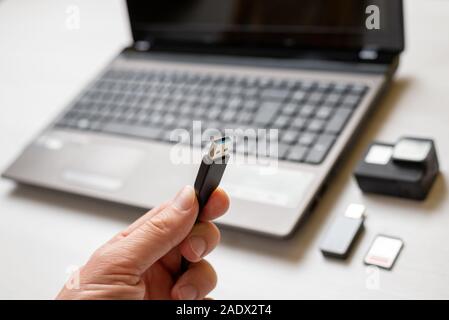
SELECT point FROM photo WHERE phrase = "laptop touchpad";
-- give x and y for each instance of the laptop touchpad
(274, 186)
(103, 167)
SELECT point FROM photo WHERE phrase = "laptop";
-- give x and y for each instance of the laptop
(308, 70)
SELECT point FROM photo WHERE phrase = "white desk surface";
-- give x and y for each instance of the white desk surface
(43, 233)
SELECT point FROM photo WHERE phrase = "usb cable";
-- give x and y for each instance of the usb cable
(209, 175)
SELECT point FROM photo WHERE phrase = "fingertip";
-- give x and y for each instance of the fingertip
(217, 205)
(196, 283)
(221, 193)
(185, 199)
(204, 237)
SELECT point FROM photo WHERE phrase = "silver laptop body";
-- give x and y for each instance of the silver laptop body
(124, 165)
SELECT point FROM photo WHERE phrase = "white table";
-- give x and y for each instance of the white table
(43, 233)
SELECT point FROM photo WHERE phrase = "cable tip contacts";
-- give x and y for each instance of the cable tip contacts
(220, 148)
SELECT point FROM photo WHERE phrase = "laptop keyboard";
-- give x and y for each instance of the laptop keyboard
(309, 115)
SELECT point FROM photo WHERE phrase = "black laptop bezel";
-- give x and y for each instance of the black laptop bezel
(144, 41)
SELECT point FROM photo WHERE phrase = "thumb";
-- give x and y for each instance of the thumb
(156, 236)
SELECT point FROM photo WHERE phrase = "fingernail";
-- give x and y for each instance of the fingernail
(198, 245)
(188, 292)
(184, 199)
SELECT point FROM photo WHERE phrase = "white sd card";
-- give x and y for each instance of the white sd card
(384, 251)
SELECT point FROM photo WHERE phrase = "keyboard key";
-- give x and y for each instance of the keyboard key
(264, 82)
(183, 123)
(307, 138)
(156, 118)
(213, 113)
(266, 113)
(172, 108)
(83, 123)
(201, 112)
(308, 85)
(228, 115)
(220, 100)
(316, 125)
(358, 89)
(183, 109)
(290, 108)
(315, 98)
(298, 123)
(245, 117)
(235, 103)
(350, 101)
(250, 105)
(168, 120)
(82, 105)
(307, 111)
(338, 121)
(340, 88)
(297, 153)
(251, 93)
(292, 84)
(320, 149)
(275, 94)
(203, 99)
(324, 113)
(136, 131)
(324, 86)
(290, 137)
(299, 95)
(332, 100)
(281, 122)
(159, 106)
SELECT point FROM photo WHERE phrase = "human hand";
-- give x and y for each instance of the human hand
(143, 261)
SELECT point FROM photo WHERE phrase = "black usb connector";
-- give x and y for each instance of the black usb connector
(211, 170)
(209, 175)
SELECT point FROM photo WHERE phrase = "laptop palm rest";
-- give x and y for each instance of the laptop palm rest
(268, 185)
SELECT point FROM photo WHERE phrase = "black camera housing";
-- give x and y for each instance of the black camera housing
(409, 172)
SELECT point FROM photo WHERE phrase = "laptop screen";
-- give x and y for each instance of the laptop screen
(280, 24)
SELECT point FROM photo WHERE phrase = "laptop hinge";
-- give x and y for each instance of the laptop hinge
(368, 54)
(142, 45)
(366, 65)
